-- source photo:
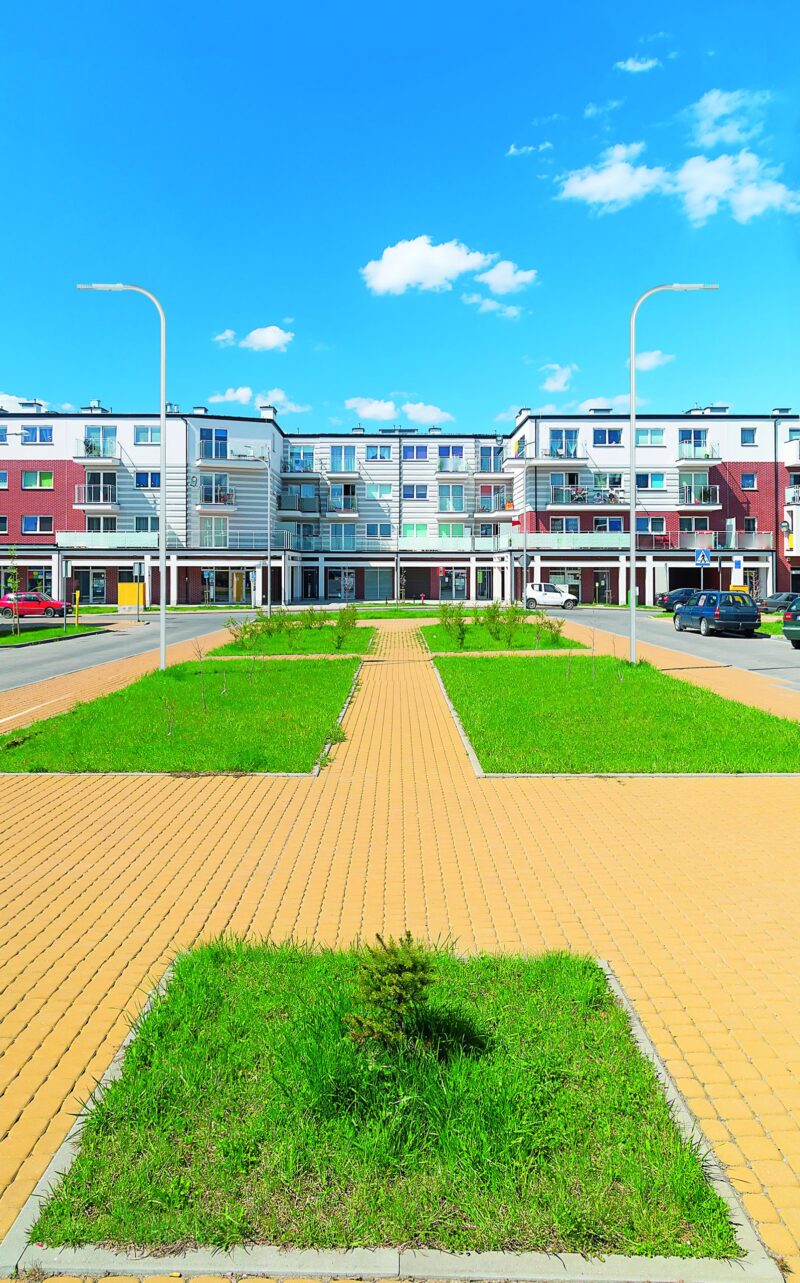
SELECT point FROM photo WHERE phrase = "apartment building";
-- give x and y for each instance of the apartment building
(375, 514)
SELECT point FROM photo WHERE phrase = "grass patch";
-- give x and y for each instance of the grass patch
(522, 1117)
(194, 717)
(300, 641)
(772, 627)
(552, 715)
(478, 637)
(33, 635)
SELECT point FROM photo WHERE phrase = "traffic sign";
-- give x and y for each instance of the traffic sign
(702, 557)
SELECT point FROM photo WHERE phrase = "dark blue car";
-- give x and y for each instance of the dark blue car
(718, 612)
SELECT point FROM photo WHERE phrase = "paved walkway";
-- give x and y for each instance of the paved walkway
(688, 886)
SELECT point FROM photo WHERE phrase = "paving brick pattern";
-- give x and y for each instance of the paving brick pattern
(688, 886)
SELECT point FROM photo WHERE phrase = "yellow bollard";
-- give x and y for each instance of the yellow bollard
(77, 608)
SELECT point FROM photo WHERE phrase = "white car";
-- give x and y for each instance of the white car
(549, 595)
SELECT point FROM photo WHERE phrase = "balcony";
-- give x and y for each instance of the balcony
(96, 496)
(500, 506)
(299, 467)
(499, 470)
(792, 494)
(108, 541)
(298, 507)
(233, 461)
(587, 496)
(698, 497)
(689, 454)
(342, 509)
(89, 451)
(214, 500)
(451, 465)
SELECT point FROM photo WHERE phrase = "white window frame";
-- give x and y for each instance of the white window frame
(153, 431)
(378, 453)
(38, 473)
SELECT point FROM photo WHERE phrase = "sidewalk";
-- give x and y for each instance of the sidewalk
(105, 878)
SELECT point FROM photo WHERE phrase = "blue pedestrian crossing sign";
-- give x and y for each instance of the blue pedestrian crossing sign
(702, 557)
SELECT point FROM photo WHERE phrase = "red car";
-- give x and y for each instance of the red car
(26, 604)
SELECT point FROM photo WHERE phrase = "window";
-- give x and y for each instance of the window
(565, 525)
(415, 529)
(415, 452)
(145, 434)
(379, 530)
(343, 458)
(37, 525)
(751, 525)
(415, 492)
(651, 525)
(609, 525)
(149, 481)
(794, 434)
(37, 480)
(564, 442)
(378, 453)
(649, 436)
(343, 537)
(214, 443)
(696, 437)
(488, 530)
(3, 480)
(451, 452)
(381, 491)
(607, 436)
(748, 436)
(451, 498)
(99, 441)
(213, 532)
(494, 498)
(101, 525)
(608, 481)
(649, 480)
(3, 525)
(37, 436)
(451, 530)
(213, 488)
(343, 497)
(686, 524)
(748, 481)
(4, 436)
(145, 524)
(491, 458)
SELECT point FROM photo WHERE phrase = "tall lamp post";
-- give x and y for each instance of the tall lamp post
(657, 289)
(162, 519)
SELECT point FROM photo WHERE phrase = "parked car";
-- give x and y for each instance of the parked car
(28, 604)
(718, 612)
(669, 600)
(791, 623)
(549, 595)
(778, 601)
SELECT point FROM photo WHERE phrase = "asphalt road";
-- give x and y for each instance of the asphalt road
(772, 656)
(27, 664)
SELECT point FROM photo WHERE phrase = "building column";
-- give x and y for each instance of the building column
(536, 563)
(496, 573)
(321, 584)
(649, 570)
(173, 580)
(623, 566)
(258, 585)
(148, 580)
(472, 593)
(285, 579)
(510, 583)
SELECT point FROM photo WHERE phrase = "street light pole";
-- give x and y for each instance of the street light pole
(162, 519)
(657, 289)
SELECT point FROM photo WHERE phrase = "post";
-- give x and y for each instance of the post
(269, 529)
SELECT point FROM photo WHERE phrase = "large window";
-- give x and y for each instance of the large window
(565, 525)
(415, 529)
(343, 497)
(4, 436)
(213, 443)
(564, 442)
(213, 487)
(145, 524)
(100, 441)
(490, 458)
(451, 529)
(213, 532)
(649, 436)
(451, 498)
(379, 530)
(343, 458)
(415, 452)
(650, 481)
(148, 480)
(3, 525)
(378, 453)
(609, 525)
(651, 525)
(37, 525)
(415, 492)
(686, 524)
(375, 491)
(101, 525)
(147, 434)
(697, 437)
(607, 436)
(38, 435)
(37, 480)
(343, 537)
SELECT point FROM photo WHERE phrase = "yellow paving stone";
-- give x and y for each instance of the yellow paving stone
(106, 878)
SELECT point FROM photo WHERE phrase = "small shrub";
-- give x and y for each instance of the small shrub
(446, 615)
(491, 619)
(345, 623)
(459, 625)
(511, 618)
(393, 982)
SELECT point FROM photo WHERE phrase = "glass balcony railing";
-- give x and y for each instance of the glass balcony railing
(593, 495)
(707, 496)
(792, 494)
(344, 503)
(304, 464)
(495, 503)
(298, 503)
(452, 465)
(688, 450)
(213, 450)
(214, 498)
(97, 448)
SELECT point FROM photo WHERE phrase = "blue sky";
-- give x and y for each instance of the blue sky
(420, 210)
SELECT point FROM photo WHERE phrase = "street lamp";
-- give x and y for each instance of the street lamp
(657, 289)
(162, 519)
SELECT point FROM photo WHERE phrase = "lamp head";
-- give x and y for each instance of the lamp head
(694, 287)
(100, 287)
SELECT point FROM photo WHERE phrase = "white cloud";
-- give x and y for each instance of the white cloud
(278, 398)
(67, 407)
(558, 377)
(491, 305)
(744, 182)
(529, 149)
(419, 412)
(226, 339)
(269, 338)
(615, 182)
(506, 278)
(13, 403)
(593, 109)
(419, 264)
(550, 408)
(653, 359)
(728, 118)
(606, 403)
(637, 65)
(368, 408)
(240, 395)
(508, 415)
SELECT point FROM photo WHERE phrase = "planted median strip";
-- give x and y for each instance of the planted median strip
(600, 715)
(386, 1097)
(29, 636)
(201, 716)
(309, 632)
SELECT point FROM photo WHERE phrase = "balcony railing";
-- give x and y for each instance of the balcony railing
(213, 450)
(495, 503)
(299, 465)
(687, 450)
(103, 449)
(298, 503)
(592, 495)
(792, 494)
(707, 496)
(572, 450)
(210, 498)
(95, 494)
(489, 466)
(347, 503)
(110, 541)
(452, 465)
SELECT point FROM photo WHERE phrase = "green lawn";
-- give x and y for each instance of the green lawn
(583, 715)
(301, 641)
(29, 635)
(257, 717)
(774, 626)
(520, 1115)
(397, 612)
(477, 637)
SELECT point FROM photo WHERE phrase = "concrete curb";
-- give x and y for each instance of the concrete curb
(756, 1266)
